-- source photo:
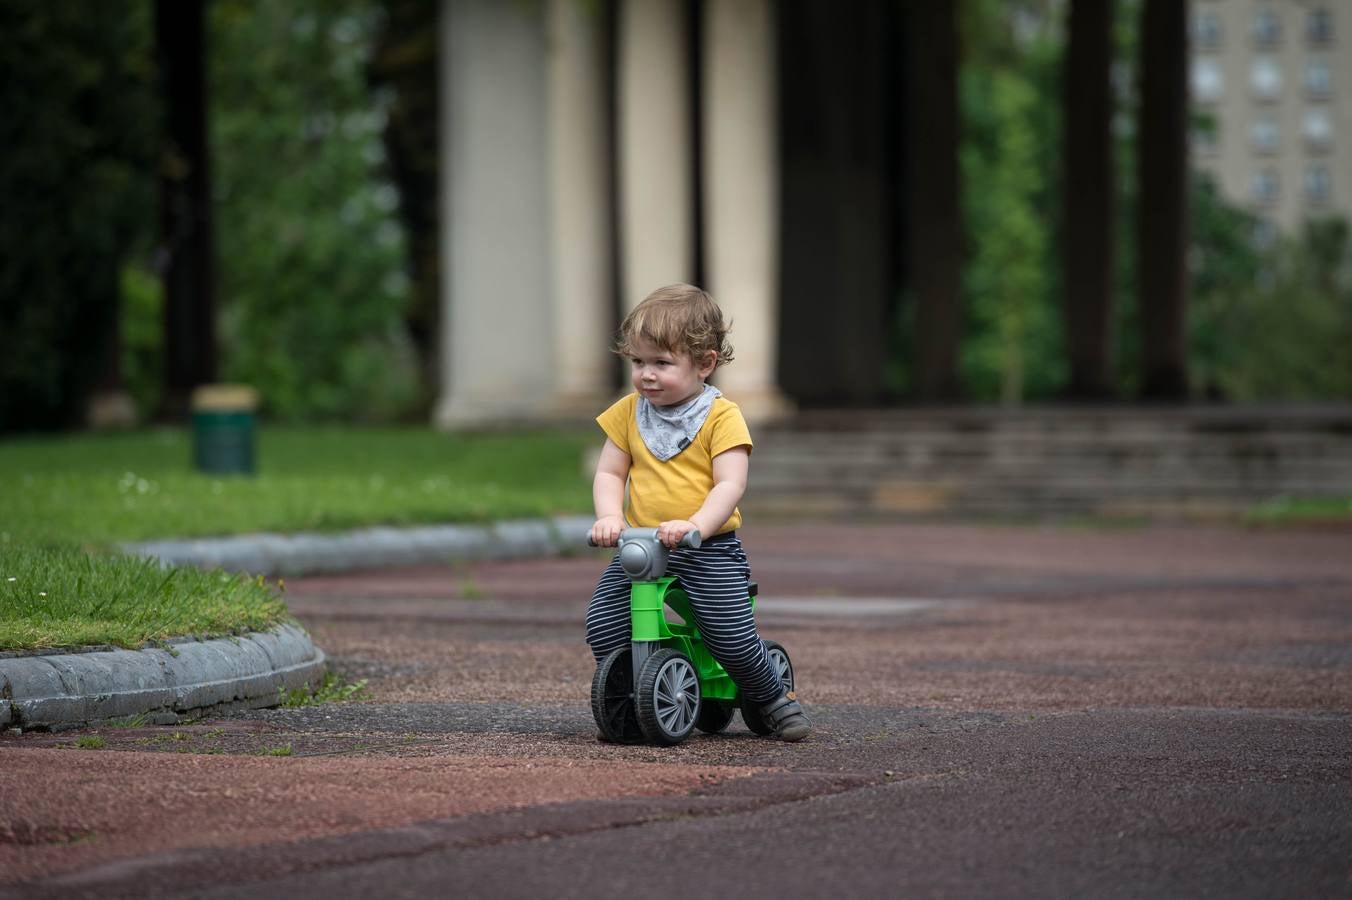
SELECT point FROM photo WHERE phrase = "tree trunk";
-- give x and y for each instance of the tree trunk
(1162, 237)
(934, 216)
(185, 205)
(837, 183)
(1088, 200)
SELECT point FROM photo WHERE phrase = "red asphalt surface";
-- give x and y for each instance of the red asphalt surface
(942, 620)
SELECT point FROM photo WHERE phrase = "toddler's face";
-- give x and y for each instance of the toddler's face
(664, 377)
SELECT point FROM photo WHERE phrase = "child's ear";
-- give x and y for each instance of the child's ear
(708, 363)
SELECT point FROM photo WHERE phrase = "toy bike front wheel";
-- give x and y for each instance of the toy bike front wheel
(612, 698)
(783, 666)
(667, 697)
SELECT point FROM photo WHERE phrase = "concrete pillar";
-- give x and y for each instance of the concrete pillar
(582, 239)
(498, 335)
(741, 194)
(655, 152)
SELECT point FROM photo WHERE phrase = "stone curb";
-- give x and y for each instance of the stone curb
(372, 548)
(67, 690)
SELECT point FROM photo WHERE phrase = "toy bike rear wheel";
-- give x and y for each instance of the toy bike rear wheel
(612, 698)
(783, 666)
(667, 697)
(715, 715)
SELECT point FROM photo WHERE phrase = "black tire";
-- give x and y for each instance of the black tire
(715, 715)
(667, 697)
(612, 698)
(780, 661)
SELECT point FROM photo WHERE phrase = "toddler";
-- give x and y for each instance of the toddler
(683, 448)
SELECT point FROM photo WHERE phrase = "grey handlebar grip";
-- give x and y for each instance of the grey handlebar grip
(692, 540)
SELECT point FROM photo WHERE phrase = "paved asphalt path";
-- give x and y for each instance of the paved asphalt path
(999, 712)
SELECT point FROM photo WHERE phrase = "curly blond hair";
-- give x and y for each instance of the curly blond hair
(679, 318)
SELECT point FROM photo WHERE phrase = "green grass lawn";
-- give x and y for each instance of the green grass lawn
(96, 490)
(54, 597)
(65, 501)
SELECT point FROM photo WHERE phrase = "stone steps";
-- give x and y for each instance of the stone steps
(1040, 462)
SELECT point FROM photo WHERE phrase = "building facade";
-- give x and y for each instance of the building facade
(1272, 82)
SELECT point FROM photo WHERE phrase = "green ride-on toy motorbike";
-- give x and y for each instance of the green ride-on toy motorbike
(666, 683)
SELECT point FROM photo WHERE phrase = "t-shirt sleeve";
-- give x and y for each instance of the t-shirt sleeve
(727, 429)
(615, 421)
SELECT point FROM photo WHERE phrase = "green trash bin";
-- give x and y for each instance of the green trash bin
(223, 428)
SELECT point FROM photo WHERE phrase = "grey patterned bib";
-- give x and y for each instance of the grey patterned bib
(667, 430)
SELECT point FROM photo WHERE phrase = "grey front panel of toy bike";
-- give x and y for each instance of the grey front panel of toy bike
(642, 555)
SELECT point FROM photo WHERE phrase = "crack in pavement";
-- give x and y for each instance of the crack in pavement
(192, 870)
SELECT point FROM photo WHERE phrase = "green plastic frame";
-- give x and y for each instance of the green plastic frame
(647, 613)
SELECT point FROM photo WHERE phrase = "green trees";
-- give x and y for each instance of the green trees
(1269, 325)
(310, 252)
(1012, 349)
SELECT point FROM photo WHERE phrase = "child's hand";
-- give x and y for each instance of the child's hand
(670, 533)
(605, 532)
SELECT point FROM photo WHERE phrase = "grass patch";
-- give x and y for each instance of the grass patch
(99, 489)
(284, 750)
(333, 690)
(1301, 511)
(62, 597)
(91, 742)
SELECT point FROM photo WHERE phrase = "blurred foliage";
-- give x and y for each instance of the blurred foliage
(143, 337)
(77, 86)
(1126, 335)
(313, 279)
(1275, 326)
(1010, 104)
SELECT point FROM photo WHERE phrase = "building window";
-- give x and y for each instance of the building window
(1264, 136)
(1317, 128)
(1263, 187)
(1318, 184)
(1318, 79)
(1265, 77)
(1207, 31)
(1319, 27)
(1264, 233)
(1208, 80)
(1267, 28)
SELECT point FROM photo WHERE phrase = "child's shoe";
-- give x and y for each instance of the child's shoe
(785, 716)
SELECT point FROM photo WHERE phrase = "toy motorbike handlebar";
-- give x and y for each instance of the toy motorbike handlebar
(691, 541)
(642, 554)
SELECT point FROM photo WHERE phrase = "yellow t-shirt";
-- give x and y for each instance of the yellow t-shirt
(675, 489)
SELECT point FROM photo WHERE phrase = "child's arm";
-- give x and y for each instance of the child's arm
(729, 470)
(612, 471)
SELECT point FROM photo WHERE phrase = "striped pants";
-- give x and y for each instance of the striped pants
(715, 579)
